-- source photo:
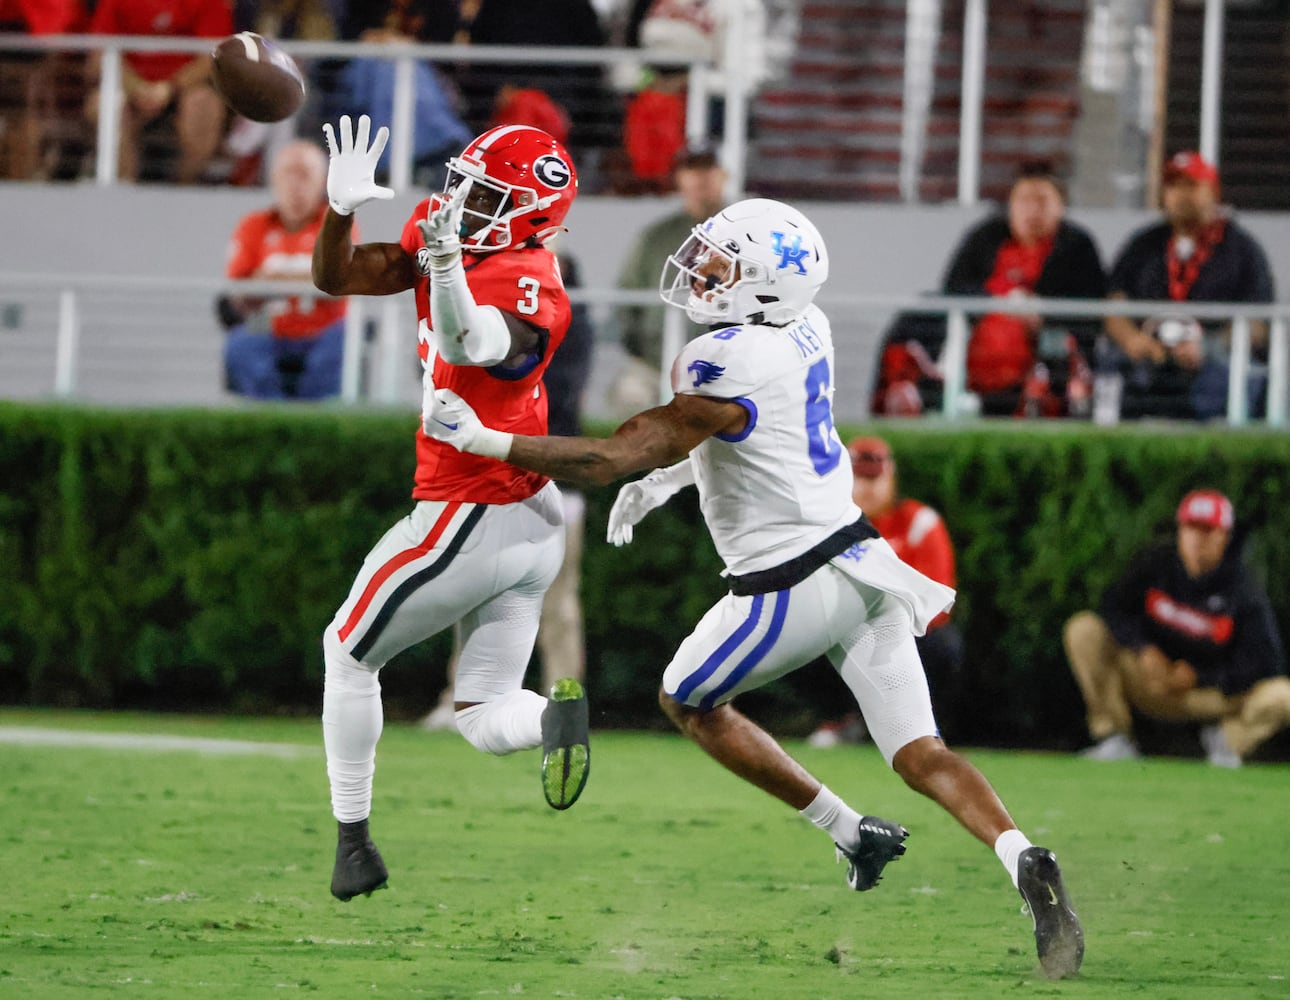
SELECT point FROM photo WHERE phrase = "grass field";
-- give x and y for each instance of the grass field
(162, 872)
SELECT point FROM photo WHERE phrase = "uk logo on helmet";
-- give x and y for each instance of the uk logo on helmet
(790, 253)
(552, 171)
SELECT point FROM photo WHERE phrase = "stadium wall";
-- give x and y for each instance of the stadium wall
(177, 232)
(190, 559)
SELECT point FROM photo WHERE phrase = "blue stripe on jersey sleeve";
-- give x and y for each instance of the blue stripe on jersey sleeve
(751, 407)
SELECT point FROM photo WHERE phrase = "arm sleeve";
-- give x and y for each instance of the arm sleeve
(465, 333)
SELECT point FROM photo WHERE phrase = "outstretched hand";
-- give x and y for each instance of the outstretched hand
(351, 172)
(441, 228)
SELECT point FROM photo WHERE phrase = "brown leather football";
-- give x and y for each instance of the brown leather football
(256, 78)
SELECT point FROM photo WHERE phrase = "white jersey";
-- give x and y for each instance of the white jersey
(783, 484)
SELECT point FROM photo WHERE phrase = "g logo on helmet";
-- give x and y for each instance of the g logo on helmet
(552, 171)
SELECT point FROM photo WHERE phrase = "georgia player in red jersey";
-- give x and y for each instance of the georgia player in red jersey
(485, 539)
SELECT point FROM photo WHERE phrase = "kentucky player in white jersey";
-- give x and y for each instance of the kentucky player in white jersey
(752, 423)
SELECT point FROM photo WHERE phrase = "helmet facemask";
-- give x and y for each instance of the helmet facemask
(489, 207)
(712, 283)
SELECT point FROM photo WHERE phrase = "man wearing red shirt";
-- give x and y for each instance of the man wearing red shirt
(918, 535)
(302, 337)
(157, 83)
(486, 538)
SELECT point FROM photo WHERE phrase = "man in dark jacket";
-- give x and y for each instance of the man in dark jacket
(1174, 366)
(1185, 634)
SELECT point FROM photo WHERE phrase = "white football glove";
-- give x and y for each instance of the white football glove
(351, 174)
(447, 417)
(441, 229)
(637, 499)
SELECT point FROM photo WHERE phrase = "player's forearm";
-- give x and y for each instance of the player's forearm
(637, 445)
(465, 333)
(341, 268)
(333, 251)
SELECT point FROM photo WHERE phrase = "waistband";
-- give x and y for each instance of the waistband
(797, 569)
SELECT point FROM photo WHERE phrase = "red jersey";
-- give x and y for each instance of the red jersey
(176, 18)
(41, 17)
(1000, 352)
(918, 536)
(263, 248)
(522, 281)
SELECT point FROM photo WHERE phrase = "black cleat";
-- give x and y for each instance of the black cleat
(1058, 935)
(566, 751)
(359, 868)
(880, 841)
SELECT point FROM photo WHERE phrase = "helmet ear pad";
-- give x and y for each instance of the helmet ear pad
(534, 176)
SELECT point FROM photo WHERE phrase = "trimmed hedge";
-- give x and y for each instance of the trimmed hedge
(192, 558)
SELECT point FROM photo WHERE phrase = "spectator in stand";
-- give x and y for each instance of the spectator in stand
(530, 106)
(284, 348)
(918, 535)
(1185, 634)
(1172, 365)
(27, 83)
(1031, 249)
(578, 90)
(700, 180)
(168, 90)
(366, 86)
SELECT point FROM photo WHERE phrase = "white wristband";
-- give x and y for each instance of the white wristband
(491, 443)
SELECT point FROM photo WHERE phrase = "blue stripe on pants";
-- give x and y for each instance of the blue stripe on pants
(756, 656)
(722, 653)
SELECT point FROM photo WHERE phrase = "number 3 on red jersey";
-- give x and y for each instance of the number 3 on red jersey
(527, 305)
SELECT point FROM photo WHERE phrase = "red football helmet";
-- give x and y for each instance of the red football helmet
(522, 183)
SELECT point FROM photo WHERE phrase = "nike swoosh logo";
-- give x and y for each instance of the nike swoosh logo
(1052, 894)
(453, 427)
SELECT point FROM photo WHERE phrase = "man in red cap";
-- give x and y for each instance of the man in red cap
(1173, 365)
(919, 537)
(1186, 635)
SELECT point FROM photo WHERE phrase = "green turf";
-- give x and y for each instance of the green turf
(179, 874)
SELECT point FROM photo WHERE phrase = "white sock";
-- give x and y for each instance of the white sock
(352, 719)
(506, 724)
(1009, 847)
(835, 818)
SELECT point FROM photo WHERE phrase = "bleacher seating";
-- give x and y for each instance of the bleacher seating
(833, 129)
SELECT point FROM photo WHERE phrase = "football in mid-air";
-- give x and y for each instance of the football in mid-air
(256, 78)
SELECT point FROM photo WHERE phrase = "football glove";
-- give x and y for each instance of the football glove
(441, 228)
(351, 172)
(637, 499)
(447, 417)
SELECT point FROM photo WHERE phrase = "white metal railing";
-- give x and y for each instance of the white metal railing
(392, 324)
(703, 83)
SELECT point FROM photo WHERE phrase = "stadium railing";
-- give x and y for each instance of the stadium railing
(57, 352)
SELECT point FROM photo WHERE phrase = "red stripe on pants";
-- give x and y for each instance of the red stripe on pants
(396, 563)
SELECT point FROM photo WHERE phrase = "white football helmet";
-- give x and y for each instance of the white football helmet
(757, 261)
